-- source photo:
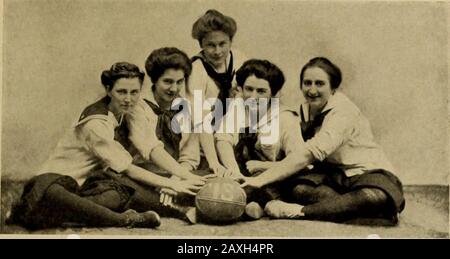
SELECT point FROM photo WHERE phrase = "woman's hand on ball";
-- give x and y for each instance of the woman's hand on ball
(187, 186)
(220, 171)
(196, 179)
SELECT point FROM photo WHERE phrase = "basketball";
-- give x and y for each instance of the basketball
(221, 200)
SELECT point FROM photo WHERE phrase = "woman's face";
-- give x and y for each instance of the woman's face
(216, 45)
(124, 95)
(256, 88)
(316, 88)
(169, 85)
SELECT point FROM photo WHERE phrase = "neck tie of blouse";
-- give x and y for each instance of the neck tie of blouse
(164, 129)
(223, 82)
(309, 127)
(245, 150)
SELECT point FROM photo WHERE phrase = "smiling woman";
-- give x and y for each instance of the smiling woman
(168, 87)
(168, 69)
(245, 151)
(171, 152)
(319, 80)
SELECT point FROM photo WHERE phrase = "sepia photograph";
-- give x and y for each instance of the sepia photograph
(273, 119)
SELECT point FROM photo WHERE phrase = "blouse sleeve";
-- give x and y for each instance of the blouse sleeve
(335, 131)
(197, 83)
(143, 129)
(190, 151)
(230, 124)
(290, 131)
(98, 137)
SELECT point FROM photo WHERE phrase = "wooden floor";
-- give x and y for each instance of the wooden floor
(426, 216)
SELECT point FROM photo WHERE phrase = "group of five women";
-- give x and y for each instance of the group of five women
(123, 163)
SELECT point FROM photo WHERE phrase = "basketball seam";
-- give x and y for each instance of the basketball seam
(222, 201)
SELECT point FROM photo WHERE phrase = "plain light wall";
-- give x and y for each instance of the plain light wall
(393, 57)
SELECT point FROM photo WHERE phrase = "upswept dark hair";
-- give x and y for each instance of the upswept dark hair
(213, 20)
(120, 70)
(164, 58)
(263, 69)
(333, 71)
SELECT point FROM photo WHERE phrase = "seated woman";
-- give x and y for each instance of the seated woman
(161, 114)
(95, 145)
(271, 135)
(351, 178)
(213, 72)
